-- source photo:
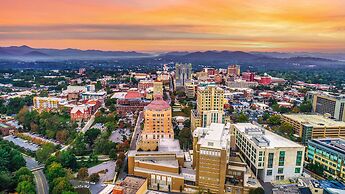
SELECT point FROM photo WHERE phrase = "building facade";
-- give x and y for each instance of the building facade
(270, 156)
(47, 103)
(183, 74)
(327, 103)
(234, 70)
(211, 146)
(210, 106)
(157, 124)
(314, 126)
(329, 153)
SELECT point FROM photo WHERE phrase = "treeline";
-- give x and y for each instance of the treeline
(14, 176)
(13, 105)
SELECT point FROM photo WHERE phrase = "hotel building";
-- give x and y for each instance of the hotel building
(270, 156)
(328, 103)
(210, 106)
(314, 126)
(330, 154)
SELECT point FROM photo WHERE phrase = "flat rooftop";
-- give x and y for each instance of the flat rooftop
(274, 140)
(315, 120)
(335, 144)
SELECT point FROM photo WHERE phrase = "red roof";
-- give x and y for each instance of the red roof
(158, 104)
(132, 94)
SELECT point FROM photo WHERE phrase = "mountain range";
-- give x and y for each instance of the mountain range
(269, 60)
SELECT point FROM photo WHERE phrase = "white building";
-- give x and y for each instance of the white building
(270, 156)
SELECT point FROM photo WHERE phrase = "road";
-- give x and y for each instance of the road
(41, 182)
(40, 179)
(137, 131)
(135, 137)
(88, 124)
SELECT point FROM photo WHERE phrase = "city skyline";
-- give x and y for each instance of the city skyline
(287, 26)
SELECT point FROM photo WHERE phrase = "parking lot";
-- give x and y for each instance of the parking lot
(22, 143)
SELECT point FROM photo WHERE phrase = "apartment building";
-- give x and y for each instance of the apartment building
(270, 156)
(314, 126)
(211, 147)
(210, 106)
(328, 103)
(234, 70)
(330, 154)
(48, 103)
(157, 124)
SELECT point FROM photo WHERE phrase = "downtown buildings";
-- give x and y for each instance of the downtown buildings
(183, 74)
(210, 106)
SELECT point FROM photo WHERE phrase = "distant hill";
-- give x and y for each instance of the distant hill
(28, 52)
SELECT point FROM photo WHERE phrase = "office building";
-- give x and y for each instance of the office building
(211, 146)
(248, 76)
(157, 124)
(190, 90)
(183, 74)
(234, 70)
(330, 104)
(157, 88)
(330, 154)
(161, 167)
(210, 106)
(270, 156)
(314, 126)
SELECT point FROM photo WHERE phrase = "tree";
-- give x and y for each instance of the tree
(241, 118)
(185, 137)
(79, 146)
(23, 174)
(26, 187)
(94, 177)
(43, 153)
(55, 170)
(82, 173)
(68, 159)
(60, 185)
(113, 154)
(306, 106)
(274, 120)
(258, 190)
(91, 135)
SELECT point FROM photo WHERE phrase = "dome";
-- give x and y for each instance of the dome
(158, 104)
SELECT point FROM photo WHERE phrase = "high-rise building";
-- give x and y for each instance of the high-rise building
(157, 88)
(234, 70)
(314, 126)
(183, 74)
(211, 147)
(248, 76)
(157, 124)
(190, 90)
(329, 153)
(210, 106)
(328, 103)
(270, 156)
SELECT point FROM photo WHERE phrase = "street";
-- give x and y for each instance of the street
(40, 179)
(41, 182)
(137, 131)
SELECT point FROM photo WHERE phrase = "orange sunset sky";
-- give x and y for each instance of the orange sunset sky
(166, 25)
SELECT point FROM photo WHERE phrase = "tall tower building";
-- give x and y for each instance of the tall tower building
(210, 106)
(183, 74)
(211, 147)
(157, 88)
(234, 70)
(157, 124)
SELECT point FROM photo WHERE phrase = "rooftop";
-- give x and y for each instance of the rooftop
(214, 136)
(157, 104)
(335, 144)
(274, 140)
(315, 120)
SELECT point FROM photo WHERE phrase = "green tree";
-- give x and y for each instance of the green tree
(258, 190)
(241, 118)
(185, 138)
(43, 153)
(23, 174)
(26, 187)
(68, 160)
(55, 170)
(274, 120)
(113, 154)
(306, 106)
(91, 135)
(60, 185)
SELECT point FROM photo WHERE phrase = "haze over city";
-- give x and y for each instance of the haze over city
(172, 25)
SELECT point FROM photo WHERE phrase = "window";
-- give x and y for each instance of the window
(281, 158)
(297, 170)
(269, 173)
(299, 158)
(270, 160)
(280, 170)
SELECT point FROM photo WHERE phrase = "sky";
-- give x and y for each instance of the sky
(175, 25)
